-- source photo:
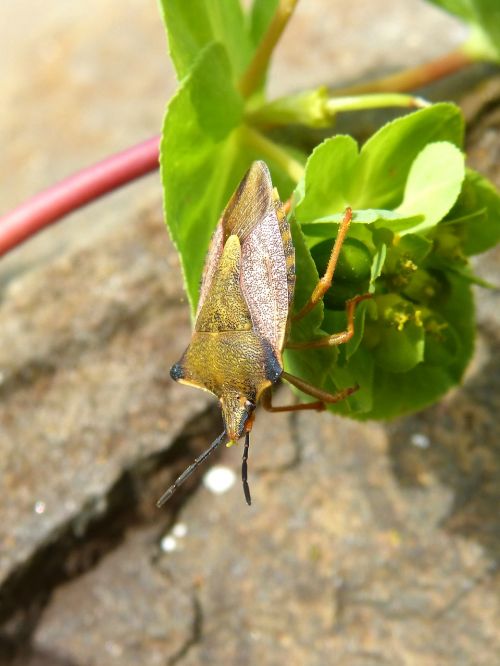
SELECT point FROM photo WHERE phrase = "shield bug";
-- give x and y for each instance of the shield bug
(244, 315)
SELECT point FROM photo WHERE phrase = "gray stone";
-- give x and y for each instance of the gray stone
(87, 401)
(335, 557)
(126, 611)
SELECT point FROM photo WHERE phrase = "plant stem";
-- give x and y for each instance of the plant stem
(413, 78)
(74, 192)
(273, 151)
(89, 184)
(315, 108)
(374, 101)
(254, 74)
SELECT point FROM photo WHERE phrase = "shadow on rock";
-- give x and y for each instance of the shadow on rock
(458, 442)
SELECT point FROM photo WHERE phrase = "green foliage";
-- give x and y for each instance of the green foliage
(483, 16)
(195, 24)
(198, 152)
(418, 332)
(204, 149)
(433, 184)
(471, 220)
(418, 214)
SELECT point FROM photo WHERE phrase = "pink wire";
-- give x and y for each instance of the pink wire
(74, 192)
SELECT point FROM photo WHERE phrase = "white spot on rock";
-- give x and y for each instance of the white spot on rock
(179, 530)
(168, 544)
(219, 479)
(39, 507)
(420, 440)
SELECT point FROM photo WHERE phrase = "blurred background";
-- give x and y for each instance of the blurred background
(366, 543)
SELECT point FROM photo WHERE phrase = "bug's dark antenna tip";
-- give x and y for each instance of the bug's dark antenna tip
(166, 496)
(244, 470)
(189, 470)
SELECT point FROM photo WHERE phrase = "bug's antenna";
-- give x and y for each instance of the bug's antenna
(244, 469)
(189, 470)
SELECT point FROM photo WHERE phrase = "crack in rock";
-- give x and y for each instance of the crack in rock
(80, 544)
(196, 633)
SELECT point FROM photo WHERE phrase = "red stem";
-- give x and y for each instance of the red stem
(49, 206)
(414, 77)
(71, 193)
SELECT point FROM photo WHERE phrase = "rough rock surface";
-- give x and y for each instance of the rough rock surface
(366, 544)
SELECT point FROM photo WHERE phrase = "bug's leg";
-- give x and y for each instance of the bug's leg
(336, 338)
(324, 396)
(267, 404)
(325, 282)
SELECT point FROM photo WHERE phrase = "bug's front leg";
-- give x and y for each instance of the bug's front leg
(266, 402)
(326, 281)
(324, 396)
(335, 338)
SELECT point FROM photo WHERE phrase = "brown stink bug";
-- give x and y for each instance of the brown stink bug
(243, 316)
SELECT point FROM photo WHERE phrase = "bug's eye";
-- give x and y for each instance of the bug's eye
(177, 371)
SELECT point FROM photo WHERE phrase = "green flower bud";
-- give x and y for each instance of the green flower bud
(422, 287)
(354, 262)
(352, 273)
(400, 333)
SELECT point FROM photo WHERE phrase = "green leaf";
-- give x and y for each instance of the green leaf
(203, 156)
(476, 214)
(327, 179)
(484, 18)
(360, 372)
(433, 184)
(374, 216)
(193, 24)
(377, 264)
(307, 278)
(400, 351)
(462, 8)
(200, 160)
(379, 177)
(413, 247)
(373, 181)
(368, 216)
(465, 271)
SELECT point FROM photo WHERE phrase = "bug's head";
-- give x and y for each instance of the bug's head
(236, 412)
(236, 407)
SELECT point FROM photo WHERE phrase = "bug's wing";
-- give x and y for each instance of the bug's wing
(211, 264)
(268, 260)
(246, 208)
(255, 215)
(250, 204)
